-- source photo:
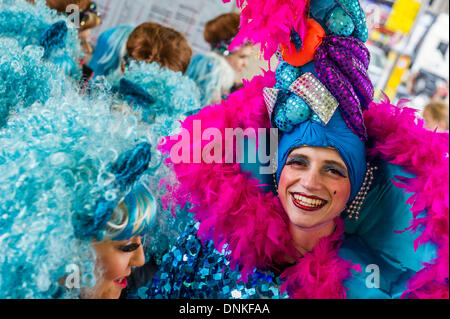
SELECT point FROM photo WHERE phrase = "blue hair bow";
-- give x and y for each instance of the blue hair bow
(133, 93)
(127, 169)
(54, 37)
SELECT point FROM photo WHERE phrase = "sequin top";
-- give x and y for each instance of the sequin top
(191, 270)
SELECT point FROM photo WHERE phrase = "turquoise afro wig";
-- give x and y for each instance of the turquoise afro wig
(153, 92)
(39, 25)
(22, 71)
(63, 167)
(160, 98)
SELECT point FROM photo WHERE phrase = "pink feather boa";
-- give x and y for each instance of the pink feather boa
(233, 209)
(269, 23)
(401, 139)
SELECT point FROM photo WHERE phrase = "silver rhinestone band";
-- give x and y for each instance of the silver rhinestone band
(319, 99)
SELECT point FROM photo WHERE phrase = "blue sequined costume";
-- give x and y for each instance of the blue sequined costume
(195, 271)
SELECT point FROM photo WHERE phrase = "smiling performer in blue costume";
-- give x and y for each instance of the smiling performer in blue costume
(358, 207)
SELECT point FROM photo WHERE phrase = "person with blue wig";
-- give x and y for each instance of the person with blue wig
(335, 217)
(110, 50)
(215, 72)
(149, 42)
(75, 199)
(150, 84)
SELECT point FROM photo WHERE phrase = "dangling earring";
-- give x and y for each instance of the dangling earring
(274, 176)
(355, 206)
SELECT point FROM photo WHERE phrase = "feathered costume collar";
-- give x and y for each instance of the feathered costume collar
(233, 208)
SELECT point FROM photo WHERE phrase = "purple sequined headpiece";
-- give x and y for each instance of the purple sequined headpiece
(329, 70)
(341, 64)
(339, 79)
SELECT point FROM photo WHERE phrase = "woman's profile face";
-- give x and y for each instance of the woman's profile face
(314, 186)
(239, 59)
(115, 259)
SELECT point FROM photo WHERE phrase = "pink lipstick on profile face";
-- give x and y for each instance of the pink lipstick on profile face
(308, 202)
(121, 282)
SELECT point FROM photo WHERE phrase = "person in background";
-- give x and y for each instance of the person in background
(150, 79)
(148, 42)
(436, 116)
(109, 51)
(215, 72)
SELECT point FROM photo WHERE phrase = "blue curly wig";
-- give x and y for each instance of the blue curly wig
(67, 165)
(39, 25)
(154, 90)
(62, 164)
(21, 74)
(160, 98)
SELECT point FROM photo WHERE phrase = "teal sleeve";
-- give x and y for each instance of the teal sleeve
(376, 239)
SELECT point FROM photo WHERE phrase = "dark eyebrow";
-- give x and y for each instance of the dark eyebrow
(292, 154)
(337, 164)
(298, 156)
(327, 162)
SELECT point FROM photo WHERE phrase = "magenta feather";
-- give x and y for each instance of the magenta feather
(402, 140)
(269, 23)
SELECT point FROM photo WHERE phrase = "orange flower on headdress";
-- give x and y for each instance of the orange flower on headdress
(313, 38)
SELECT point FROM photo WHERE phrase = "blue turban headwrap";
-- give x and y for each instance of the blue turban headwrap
(335, 134)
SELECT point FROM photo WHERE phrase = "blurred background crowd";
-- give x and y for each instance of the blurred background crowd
(408, 41)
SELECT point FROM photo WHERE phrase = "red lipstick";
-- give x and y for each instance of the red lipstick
(308, 208)
(122, 282)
